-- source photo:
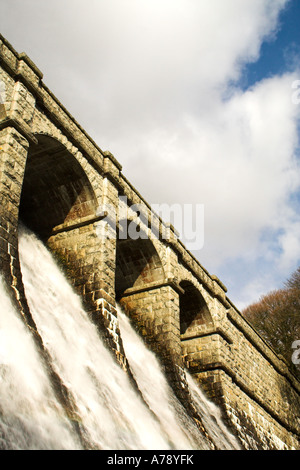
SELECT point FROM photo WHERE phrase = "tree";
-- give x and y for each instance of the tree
(276, 317)
(294, 281)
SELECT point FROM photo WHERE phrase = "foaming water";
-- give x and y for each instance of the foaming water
(155, 388)
(30, 417)
(111, 413)
(149, 376)
(212, 418)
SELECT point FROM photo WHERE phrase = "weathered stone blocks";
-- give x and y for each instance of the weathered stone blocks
(57, 180)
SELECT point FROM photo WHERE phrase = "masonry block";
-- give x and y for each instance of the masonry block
(56, 180)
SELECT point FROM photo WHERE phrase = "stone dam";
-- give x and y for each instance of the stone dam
(56, 181)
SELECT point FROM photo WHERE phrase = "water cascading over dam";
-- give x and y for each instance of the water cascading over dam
(68, 375)
(108, 412)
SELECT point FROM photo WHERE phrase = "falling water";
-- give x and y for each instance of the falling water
(112, 414)
(30, 417)
(149, 376)
(155, 388)
(212, 418)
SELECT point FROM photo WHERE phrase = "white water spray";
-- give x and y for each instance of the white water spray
(30, 417)
(149, 376)
(112, 414)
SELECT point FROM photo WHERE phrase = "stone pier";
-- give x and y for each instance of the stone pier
(58, 182)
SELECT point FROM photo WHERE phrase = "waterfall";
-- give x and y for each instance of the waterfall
(111, 413)
(30, 417)
(149, 376)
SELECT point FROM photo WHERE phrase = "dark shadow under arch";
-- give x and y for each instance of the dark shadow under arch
(137, 264)
(56, 191)
(194, 313)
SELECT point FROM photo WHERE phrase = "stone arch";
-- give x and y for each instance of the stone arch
(148, 298)
(196, 326)
(59, 203)
(195, 317)
(56, 191)
(138, 266)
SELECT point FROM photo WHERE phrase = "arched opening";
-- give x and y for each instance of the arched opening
(147, 298)
(56, 192)
(195, 317)
(138, 266)
(58, 204)
(196, 324)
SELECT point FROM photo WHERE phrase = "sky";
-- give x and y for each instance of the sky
(195, 99)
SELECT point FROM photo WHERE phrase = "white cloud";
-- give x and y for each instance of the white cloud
(156, 83)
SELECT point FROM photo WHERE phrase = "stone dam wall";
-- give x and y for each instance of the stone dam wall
(56, 180)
